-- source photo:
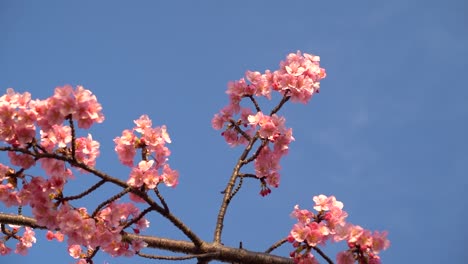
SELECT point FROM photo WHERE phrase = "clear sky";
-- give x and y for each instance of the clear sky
(386, 135)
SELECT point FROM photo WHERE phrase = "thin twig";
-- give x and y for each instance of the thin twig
(276, 245)
(161, 198)
(228, 190)
(110, 200)
(257, 152)
(281, 103)
(257, 107)
(73, 134)
(239, 185)
(239, 130)
(323, 255)
(136, 219)
(81, 195)
(248, 175)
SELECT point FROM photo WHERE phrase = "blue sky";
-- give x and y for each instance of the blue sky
(386, 135)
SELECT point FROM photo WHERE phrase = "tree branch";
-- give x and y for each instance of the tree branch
(276, 245)
(169, 216)
(216, 251)
(227, 192)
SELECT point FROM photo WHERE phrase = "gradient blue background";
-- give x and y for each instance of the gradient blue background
(387, 135)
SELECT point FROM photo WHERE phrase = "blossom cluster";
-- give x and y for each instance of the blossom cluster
(20, 120)
(330, 223)
(298, 78)
(152, 144)
(24, 242)
(19, 115)
(82, 229)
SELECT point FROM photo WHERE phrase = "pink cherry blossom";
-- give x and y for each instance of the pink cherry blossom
(345, 257)
(88, 110)
(87, 150)
(300, 232)
(317, 233)
(4, 250)
(125, 147)
(57, 235)
(170, 176)
(24, 161)
(330, 223)
(379, 241)
(26, 241)
(9, 195)
(75, 251)
(145, 173)
(4, 170)
(58, 135)
(259, 83)
(302, 215)
(142, 123)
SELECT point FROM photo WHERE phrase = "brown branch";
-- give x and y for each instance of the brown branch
(276, 245)
(175, 257)
(257, 152)
(239, 185)
(218, 251)
(110, 200)
(73, 134)
(248, 175)
(321, 253)
(228, 190)
(257, 107)
(239, 130)
(161, 198)
(81, 195)
(136, 219)
(281, 103)
(169, 216)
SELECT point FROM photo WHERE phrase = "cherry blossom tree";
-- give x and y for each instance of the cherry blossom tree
(43, 133)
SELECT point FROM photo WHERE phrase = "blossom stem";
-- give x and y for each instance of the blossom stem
(228, 191)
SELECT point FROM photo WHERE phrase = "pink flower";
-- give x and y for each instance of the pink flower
(25, 241)
(303, 216)
(4, 170)
(24, 161)
(321, 203)
(8, 195)
(345, 257)
(324, 203)
(58, 135)
(273, 179)
(88, 110)
(317, 233)
(57, 235)
(170, 176)
(299, 75)
(125, 147)
(300, 232)
(4, 250)
(87, 150)
(144, 174)
(142, 123)
(354, 233)
(259, 82)
(379, 241)
(75, 251)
